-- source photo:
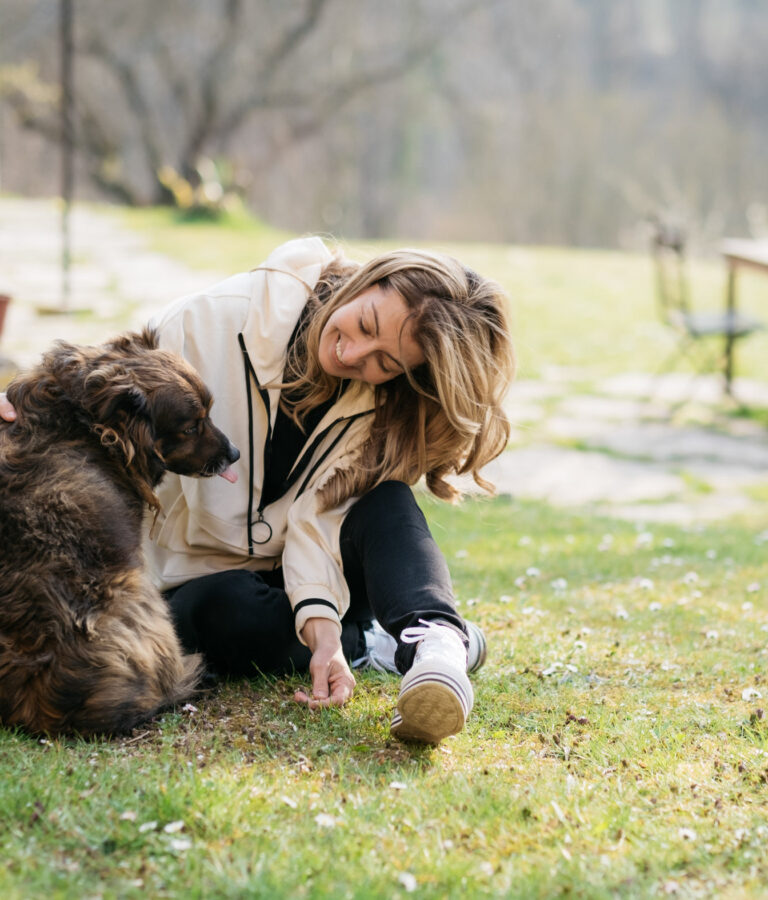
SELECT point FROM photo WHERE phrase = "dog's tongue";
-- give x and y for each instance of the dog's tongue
(229, 475)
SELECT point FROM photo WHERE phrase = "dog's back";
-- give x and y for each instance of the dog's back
(86, 643)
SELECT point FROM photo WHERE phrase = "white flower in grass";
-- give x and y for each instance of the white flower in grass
(128, 816)
(751, 694)
(644, 539)
(189, 708)
(173, 827)
(487, 868)
(289, 801)
(398, 786)
(505, 598)
(180, 844)
(408, 881)
(655, 606)
(579, 645)
(711, 554)
(524, 541)
(668, 542)
(552, 668)
(686, 834)
(147, 826)
(532, 572)
(559, 584)
(621, 613)
(747, 606)
(643, 584)
(754, 587)
(462, 554)
(690, 578)
(712, 635)
(323, 820)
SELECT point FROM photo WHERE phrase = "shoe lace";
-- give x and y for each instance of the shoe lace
(435, 639)
(415, 633)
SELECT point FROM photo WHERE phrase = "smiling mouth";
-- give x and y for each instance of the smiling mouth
(338, 354)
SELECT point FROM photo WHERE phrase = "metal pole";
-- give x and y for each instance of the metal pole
(67, 144)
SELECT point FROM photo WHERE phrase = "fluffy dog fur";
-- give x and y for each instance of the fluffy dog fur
(86, 643)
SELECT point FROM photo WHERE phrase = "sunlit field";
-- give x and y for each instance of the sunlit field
(591, 311)
(619, 742)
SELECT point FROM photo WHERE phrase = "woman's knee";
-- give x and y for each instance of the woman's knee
(388, 501)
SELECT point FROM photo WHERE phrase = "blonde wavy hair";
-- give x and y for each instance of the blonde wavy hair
(440, 418)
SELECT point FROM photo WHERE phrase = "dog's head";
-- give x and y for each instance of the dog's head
(153, 408)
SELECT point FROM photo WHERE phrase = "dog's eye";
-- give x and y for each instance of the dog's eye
(192, 430)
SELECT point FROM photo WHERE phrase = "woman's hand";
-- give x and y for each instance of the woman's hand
(332, 680)
(7, 411)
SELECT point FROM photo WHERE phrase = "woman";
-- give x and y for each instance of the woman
(341, 385)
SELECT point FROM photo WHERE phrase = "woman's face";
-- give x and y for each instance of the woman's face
(370, 338)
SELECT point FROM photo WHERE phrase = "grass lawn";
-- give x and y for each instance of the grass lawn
(618, 746)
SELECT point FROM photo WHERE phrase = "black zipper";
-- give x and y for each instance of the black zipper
(302, 463)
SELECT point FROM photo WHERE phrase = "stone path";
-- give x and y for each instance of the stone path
(642, 448)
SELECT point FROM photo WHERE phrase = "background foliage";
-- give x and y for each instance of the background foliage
(561, 121)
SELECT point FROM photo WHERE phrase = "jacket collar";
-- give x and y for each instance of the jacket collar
(279, 291)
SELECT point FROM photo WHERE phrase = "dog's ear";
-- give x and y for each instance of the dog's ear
(122, 418)
(110, 395)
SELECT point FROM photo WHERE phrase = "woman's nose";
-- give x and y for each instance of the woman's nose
(354, 353)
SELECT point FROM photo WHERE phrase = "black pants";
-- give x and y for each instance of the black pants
(242, 621)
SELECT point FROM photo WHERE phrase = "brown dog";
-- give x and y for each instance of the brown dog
(86, 643)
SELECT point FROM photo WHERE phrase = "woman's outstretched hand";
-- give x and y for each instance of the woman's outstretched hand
(7, 411)
(332, 680)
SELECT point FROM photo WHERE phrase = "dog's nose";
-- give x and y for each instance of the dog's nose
(233, 454)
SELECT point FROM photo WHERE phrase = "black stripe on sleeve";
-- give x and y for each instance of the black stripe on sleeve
(312, 601)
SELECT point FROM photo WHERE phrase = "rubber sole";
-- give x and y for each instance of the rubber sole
(431, 706)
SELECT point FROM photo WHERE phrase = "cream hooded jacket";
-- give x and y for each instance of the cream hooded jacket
(236, 335)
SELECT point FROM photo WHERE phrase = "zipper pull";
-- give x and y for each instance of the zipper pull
(261, 530)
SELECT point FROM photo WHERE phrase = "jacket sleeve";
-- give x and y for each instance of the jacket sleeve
(312, 566)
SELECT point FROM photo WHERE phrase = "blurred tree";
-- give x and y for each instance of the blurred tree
(560, 121)
(161, 88)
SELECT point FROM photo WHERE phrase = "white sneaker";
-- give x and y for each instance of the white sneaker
(435, 696)
(380, 649)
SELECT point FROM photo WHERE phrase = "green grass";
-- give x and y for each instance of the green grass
(610, 752)
(617, 747)
(591, 312)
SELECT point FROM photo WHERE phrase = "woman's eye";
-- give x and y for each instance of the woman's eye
(365, 331)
